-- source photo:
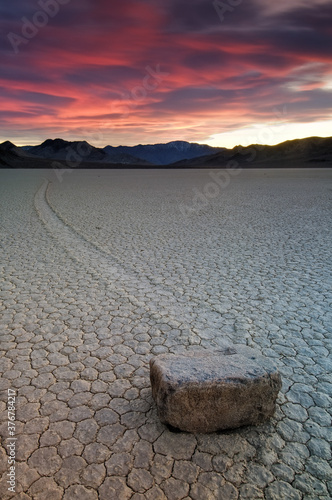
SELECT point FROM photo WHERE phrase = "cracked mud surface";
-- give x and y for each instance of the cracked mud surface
(102, 271)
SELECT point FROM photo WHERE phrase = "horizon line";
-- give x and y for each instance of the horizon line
(170, 142)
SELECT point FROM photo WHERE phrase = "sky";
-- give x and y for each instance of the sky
(219, 72)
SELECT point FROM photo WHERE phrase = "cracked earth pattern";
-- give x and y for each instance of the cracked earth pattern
(103, 270)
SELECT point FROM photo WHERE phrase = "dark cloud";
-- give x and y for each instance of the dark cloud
(201, 16)
(12, 12)
(206, 59)
(71, 13)
(7, 116)
(104, 75)
(301, 42)
(308, 16)
(36, 97)
(312, 100)
(187, 17)
(199, 99)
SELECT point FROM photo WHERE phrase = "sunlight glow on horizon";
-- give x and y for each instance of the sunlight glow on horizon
(259, 133)
(269, 134)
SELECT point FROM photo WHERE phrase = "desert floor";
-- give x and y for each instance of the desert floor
(104, 269)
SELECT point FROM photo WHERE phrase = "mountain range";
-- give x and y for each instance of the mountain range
(12, 156)
(297, 153)
(58, 153)
(80, 151)
(150, 154)
(165, 154)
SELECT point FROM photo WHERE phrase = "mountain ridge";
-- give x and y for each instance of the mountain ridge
(79, 151)
(58, 153)
(165, 154)
(310, 149)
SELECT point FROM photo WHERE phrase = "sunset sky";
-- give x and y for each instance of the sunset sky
(129, 72)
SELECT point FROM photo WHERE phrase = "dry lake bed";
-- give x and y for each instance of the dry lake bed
(101, 270)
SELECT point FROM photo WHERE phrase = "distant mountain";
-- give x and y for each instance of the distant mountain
(76, 152)
(310, 150)
(11, 154)
(299, 153)
(164, 154)
(6, 155)
(7, 146)
(155, 154)
(10, 147)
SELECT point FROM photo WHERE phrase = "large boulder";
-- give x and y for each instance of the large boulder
(207, 391)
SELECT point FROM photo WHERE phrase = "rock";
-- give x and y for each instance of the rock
(204, 391)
